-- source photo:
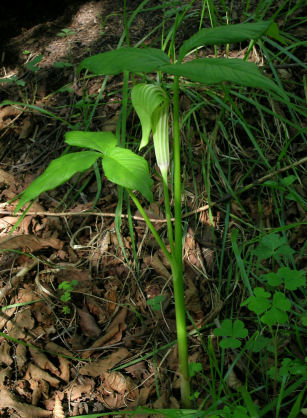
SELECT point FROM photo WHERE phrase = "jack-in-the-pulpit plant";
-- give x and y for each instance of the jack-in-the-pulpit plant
(152, 104)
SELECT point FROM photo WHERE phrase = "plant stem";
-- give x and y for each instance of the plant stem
(168, 213)
(150, 226)
(177, 267)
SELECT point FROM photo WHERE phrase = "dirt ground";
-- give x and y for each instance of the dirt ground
(97, 355)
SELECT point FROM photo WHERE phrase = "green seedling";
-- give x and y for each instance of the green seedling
(155, 303)
(194, 368)
(275, 309)
(289, 278)
(288, 367)
(65, 33)
(32, 65)
(152, 103)
(231, 331)
(13, 80)
(283, 185)
(67, 288)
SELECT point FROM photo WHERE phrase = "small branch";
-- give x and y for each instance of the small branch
(225, 198)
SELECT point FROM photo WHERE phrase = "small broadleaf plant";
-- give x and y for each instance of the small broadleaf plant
(274, 309)
(232, 332)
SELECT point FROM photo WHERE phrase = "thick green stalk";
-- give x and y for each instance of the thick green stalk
(177, 264)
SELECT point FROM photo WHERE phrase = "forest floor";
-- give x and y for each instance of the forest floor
(77, 331)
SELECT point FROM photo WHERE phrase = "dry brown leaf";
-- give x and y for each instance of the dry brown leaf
(22, 321)
(192, 301)
(21, 356)
(96, 309)
(232, 380)
(86, 386)
(156, 263)
(25, 128)
(58, 411)
(115, 381)
(88, 324)
(36, 373)
(42, 361)
(8, 400)
(29, 242)
(64, 362)
(6, 179)
(5, 356)
(99, 367)
(5, 375)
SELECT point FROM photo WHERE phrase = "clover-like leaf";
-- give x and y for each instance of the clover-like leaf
(293, 279)
(277, 314)
(260, 302)
(273, 245)
(274, 316)
(194, 368)
(231, 330)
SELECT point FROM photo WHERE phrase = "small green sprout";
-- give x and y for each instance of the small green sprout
(67, 287)
(288, 367)
(273, 245)
(32, 65)
(155, 303)
(291, 279)
(195, 368)
(232, 331)
(65, 32)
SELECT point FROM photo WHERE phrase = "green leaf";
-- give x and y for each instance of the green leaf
(215, 70)
(260, 302)
(272, 245)
(32, 65)
(155, 303)
(125, 59)
(260, 343)
(281, 302)
(99, 141)
(223, 35)
(230, 342)
(274, 316)
(292, 279)
(58, 171)
(234, 330)
(123, 167)
(62, 64)
(194, 368)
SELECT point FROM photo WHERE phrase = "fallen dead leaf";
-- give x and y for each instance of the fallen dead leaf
(58, 411)
(8, 400)
(5, 356)
(30, 243)
(5, 375)
(42, 361)
(99, 367)
(21, 356)
(36, 373)
(85, 387)
(88, 324)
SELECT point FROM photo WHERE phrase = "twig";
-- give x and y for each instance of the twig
(225, 198)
